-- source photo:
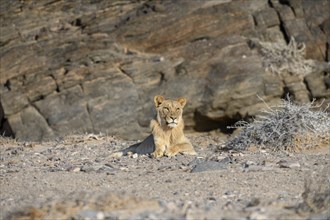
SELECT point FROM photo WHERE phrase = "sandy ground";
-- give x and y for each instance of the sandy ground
(75, 177)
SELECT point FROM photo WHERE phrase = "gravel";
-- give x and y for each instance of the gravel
(75, 177)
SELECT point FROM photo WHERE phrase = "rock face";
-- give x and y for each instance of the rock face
(94, 66)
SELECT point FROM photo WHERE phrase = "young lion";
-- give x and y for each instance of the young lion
(167, 136)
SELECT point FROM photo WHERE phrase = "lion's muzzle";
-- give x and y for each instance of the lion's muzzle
(171, 122)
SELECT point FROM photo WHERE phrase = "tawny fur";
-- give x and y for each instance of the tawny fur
(167, 137)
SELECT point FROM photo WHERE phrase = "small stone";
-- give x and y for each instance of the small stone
(258, 216)
(165, 167)
(98, 160)
(135, 155)
(253, 202)
(184, 168)
(123, 169)
(211, 198)
(90, 214)
(87, 169)
(209, 166)
(116, 155)
(225, 160)
(239, 154)
(248, 163)
(77, 169)
(288, 164)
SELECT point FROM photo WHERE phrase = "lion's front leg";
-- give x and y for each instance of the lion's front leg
(185, 148)
(172, 151)
(160, 147)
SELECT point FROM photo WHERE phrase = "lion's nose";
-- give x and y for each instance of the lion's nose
(172, 118)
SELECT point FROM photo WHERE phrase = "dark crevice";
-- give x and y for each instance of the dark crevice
(282, 28)
(310, 94)
(78, 23)
(7, 85)
(204, 38)
(254, 21)
(125, 73)
(205, 124)
(162, 78)
(322, 29)
(24, 80)
(327, 48)
(145, 9)
(51, 2)
(287, 94)
(5, 129)
(285, 2)
(270, 4)
(57, 86)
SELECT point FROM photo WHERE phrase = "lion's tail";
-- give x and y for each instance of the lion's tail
(145, 147)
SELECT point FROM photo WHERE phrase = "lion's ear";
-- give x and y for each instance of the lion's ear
(182, 101)
(158, 99)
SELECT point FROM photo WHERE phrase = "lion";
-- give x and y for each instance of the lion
(167, 137)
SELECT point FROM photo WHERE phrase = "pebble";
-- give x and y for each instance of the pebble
(209, 166)
(258, 216)
(200, 165)
(253, 202)
(90, 214)
(75, 158)
(288, 164)
(123, 169)
(77, 169)
(248, 163)
(165, 167)
(87, 169)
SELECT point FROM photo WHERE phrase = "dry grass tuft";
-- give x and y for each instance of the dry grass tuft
(281, 58)
(287, 127)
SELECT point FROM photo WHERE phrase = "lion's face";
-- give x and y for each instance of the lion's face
(169, 112)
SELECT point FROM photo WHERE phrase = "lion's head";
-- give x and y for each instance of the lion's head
(169, 112)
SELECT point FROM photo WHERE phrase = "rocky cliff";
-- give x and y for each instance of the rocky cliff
(95, 65)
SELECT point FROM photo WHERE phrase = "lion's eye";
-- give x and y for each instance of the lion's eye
(166, 109)
(177, 109)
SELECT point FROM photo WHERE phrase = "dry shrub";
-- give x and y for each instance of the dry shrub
(281, 58)
(286, 127)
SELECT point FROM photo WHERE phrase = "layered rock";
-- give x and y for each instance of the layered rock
(91, 66)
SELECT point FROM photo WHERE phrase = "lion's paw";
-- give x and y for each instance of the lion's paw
(157, 154)
(171, 153)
